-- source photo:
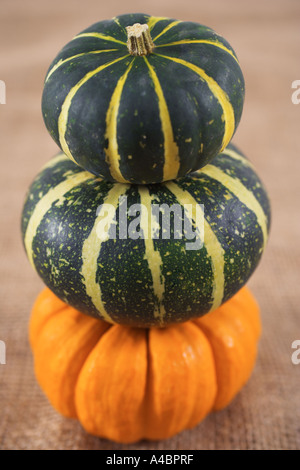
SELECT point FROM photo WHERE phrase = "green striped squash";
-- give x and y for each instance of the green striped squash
(144, 119)
(154, 281)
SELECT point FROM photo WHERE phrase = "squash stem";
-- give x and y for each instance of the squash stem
(139, 39)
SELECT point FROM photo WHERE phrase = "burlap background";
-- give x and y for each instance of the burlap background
(265, 34)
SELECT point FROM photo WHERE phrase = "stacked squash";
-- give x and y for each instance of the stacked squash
(144, 109)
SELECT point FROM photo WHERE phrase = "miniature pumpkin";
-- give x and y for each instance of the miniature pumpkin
(126, 384)
(155, 281)
(136, 111)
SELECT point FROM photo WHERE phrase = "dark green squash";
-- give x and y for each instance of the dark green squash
(150, 282)
(148, 118)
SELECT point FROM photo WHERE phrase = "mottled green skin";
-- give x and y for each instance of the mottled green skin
(195, 113)
(123, 272)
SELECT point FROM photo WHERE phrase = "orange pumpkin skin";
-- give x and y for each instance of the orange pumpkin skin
(127, 384)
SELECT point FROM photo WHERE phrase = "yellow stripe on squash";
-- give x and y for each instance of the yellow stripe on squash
(152, 256)
(54, 195)
(242, 193)
(166, 29)
(64, 114)
(64, 61)
(171, 152)
(213, 246)
(113, 157)
(153, 20)
(219, 94)
(91, 250)
(200, 41)
(237, 156)
(104, 37)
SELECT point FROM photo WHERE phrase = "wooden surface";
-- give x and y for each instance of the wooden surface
(265, 35)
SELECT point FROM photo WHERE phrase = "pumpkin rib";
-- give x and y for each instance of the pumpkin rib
(172, 370)
(243, 305)
(115, 410)
(232, 373)
(146, 414)
(233, 337)
(245, 297)
(46, 306)
(194, 417)
(60, 352)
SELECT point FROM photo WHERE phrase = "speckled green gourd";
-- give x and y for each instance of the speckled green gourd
(151, 282)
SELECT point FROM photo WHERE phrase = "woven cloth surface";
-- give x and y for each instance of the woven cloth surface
(265, 35)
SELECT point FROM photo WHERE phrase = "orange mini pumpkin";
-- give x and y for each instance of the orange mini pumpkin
(126, 384)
